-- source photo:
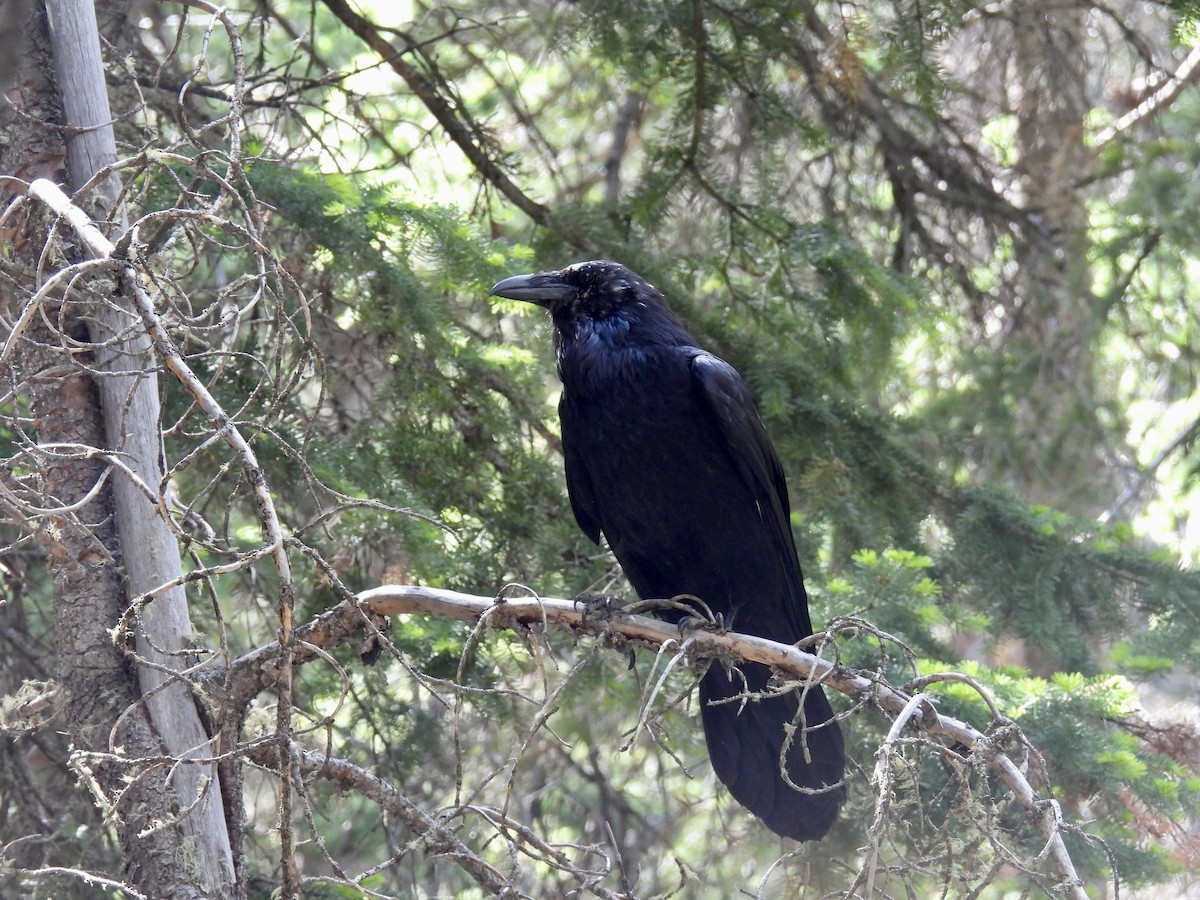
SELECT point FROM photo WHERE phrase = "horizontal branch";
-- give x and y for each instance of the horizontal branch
(254, 672)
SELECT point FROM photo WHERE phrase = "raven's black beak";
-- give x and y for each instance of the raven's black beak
(544, 288)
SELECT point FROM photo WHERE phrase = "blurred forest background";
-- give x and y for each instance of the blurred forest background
(954, 249)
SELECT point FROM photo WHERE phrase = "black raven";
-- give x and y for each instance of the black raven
(667, 456)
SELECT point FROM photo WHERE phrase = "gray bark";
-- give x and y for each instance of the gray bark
(130, 403)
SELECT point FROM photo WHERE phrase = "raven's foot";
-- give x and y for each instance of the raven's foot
(692, 623)
(597, 606)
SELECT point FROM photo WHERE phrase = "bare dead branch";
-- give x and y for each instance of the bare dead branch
(1160, 99)
(254, 671)
(98, 244)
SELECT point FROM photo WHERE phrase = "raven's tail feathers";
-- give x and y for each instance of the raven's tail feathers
(745, 740)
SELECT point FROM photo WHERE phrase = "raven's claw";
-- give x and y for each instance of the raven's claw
(691, 623)
(598, 606)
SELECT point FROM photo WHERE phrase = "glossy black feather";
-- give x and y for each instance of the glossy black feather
(667, 457)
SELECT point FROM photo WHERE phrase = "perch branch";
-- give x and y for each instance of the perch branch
(254, 672)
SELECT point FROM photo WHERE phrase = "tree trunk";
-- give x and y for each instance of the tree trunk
(1051, 345)
(169, 819)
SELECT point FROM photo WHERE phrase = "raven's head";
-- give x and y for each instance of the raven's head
(588, 290)
(597, 304)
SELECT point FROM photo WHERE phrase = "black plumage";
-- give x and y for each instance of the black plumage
(667, 457)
